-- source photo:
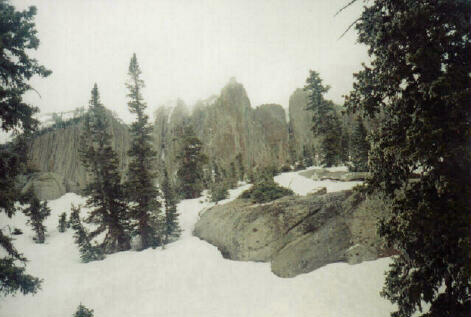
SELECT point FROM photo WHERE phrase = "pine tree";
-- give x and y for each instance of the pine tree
(233, 177)
(18, 34)
(359, 147)
(88, 251)
(419, 80)
(140, 186)
(241, 167)
(83, 311)
(107, 204)
(62, 226)
(344, 146)
(37, 212)
(171, 228)
(190, 172)
(307, 156)
(331, 141)
(325, 120)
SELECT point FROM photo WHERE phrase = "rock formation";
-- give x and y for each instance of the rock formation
(57, 151)
(296, 234)
(227, 125)
(300, 123)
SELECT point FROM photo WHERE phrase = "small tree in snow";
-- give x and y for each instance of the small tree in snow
(62, 222)
(37, 212)
(88, 252)
(171, 228)
(83, 311)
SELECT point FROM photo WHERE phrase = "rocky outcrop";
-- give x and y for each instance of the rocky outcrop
(226, 125)
(272, 119)
(300, 123)
(57, 151)
(296, 234)
(46, 186)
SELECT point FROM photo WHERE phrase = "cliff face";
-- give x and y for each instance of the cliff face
(300, 123)
(226, 125)
(57, 151)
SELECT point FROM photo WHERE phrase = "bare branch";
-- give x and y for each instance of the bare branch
(345, 6)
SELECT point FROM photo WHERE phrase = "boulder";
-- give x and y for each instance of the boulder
(297, 234)
(46, 186)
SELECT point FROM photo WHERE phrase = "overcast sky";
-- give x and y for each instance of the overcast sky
(189, 49)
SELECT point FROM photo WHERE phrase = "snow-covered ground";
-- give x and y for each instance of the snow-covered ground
(303, 185)
(188, 278)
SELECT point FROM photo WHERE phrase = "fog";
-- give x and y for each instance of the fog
(190, 49)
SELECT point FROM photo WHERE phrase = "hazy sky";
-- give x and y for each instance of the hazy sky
(189, 49)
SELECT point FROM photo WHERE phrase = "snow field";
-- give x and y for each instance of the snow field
(188, 278)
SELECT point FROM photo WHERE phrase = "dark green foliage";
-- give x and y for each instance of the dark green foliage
(344, 146)
(218, 191)
(88, 251)
(18, 35)
(233, 176)
(240, 167)
(190, 172)
(419, 81)
(326, 123)
(13, 277)
(62, 222)
(139, 185)
(171, 228)
(359, 148)
(17, 231)
(265, 190)
(307, 156)
(37, 212)
(107, 203)
(331, 147)
(83, 311)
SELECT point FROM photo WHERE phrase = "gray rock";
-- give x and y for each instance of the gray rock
(57, 151)
(296, 234)
(46, 186)
(359, 253)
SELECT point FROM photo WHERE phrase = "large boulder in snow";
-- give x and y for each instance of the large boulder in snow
(297, 234)
(46, 186)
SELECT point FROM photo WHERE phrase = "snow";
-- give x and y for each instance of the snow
(302, 185)
(187, 278)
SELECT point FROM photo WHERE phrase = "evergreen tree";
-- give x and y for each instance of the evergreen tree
(190, 172)
(17, 34)
(139, 185)
(62, 222)
(218, 191)
(108, 207)
(241, 167)
(344, 146)
(331, 141)
(88, 251)
(83, 311)
(233, 177)
(325, 120)
(171, 228)
(37, 212)
(359, 147)
(307, 156)
(419, 78)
